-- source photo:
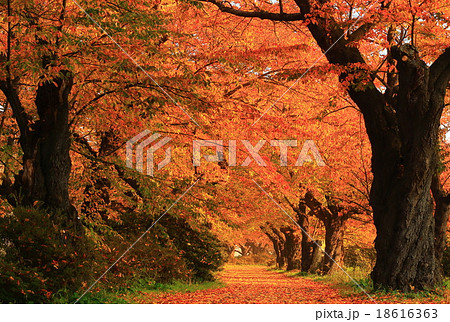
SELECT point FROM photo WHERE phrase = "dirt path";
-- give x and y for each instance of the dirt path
(255, 284)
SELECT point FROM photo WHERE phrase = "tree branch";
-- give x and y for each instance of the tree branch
(359, 33)
(317, 209)
(438, 191)
(257, 14)
(440, 72)
(19, 113)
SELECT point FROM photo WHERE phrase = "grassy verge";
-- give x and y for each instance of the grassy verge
(137, 290)
(361, 279)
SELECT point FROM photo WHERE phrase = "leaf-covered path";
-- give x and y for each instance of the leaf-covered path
(255, 284)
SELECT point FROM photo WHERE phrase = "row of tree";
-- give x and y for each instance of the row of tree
(401, 96)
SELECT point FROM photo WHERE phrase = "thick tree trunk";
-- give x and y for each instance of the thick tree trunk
(403, 169)
(45, 144)
(306, 245)
(277, 246)
(333, 218)
(334, 246)
(281, 245)
(403, 216)
(316, 258)
(54, 136)
(441, 215)
(290, 248)
(285, 244)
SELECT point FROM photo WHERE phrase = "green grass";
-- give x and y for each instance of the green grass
(136, 290)
(347, 287)
(183, 287)
(277, 270)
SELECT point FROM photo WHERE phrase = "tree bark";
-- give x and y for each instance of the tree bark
(403, 169)
(290, 248)
(45, 144)
(333, 218)
(441, 215)
(281, 243)
(277, 245)
(316, 258)
(306, 245)
(334, 246)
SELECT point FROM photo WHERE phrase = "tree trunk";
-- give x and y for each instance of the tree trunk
(277, 246)
(403, 216)
(290, 248)
(279, 253)
(441, 215)
(281, 245)
(316, 258)
(45, 144)
(306, 245)
(334, 245)
(403, 169)
(333, 218)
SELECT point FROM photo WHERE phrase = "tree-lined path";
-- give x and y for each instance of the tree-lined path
(255, 284)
